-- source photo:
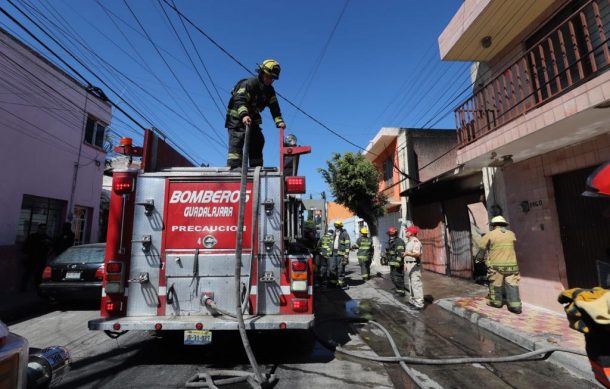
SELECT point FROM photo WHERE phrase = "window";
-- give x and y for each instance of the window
(95, 132)
(80, 225)
(388, 171)
(39, 210)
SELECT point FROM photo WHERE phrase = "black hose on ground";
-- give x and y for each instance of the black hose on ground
(423, 381)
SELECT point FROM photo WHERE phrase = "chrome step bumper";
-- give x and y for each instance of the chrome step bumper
(262, 322)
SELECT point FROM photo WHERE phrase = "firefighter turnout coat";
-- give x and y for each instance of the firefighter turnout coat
(501, 245)
(248, 98)
(365, 252)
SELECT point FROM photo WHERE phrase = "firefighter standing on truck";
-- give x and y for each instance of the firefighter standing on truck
(365, 252)
(340, 255)
(393, 254)
(502, 268)
(324, 254)
(248, 98)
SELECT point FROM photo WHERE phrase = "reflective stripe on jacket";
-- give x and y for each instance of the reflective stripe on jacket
(500, 242)
(344, 243)
(324, 246)
(248, 98)
(394, 252)
(365, 248)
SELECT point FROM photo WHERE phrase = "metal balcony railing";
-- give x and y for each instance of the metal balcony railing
(570, 55)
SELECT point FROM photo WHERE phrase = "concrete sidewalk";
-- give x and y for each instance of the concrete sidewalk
(534, 329)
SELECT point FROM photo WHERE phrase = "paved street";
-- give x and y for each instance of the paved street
(297, 359)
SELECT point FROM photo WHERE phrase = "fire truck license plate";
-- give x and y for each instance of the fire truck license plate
(197, 337)
(73, 275)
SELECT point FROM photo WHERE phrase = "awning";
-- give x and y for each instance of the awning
(448, 185)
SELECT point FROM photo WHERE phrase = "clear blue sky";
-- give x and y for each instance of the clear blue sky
(355, 66)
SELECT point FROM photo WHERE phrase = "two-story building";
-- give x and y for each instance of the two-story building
(537, 124)
(406, 157)
(52, 153)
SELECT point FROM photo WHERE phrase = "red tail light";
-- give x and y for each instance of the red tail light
(158, 326)
(46, 274)
(113, 306)
(99, 273)
(299, 266)
(123, 184)
(114, 267)
(116, 326)
(295, 184)
(300, 305)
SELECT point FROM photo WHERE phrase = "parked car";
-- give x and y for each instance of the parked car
(75, 274)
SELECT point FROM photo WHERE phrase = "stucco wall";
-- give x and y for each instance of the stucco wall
(434, 148)
(539, 247)
(42, 119)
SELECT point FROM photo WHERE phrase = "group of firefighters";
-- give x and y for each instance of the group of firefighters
(252, 95)
(403, 258)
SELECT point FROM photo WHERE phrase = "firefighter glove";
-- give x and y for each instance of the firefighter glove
(582, 305)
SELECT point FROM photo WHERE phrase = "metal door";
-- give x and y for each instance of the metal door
(584, 225)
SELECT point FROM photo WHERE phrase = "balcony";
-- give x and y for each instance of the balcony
(573, 53)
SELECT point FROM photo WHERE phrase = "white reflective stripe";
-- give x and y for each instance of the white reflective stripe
(126, 292)
(103, 292)
(162, 290)
(286, 289)
(253, 290)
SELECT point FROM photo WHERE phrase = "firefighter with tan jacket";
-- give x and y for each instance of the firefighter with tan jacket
(412, 263)
(502, 268)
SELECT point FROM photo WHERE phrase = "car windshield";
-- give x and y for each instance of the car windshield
(82, 254)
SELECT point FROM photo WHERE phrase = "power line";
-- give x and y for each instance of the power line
(129, 116)
(190, 59)
(199, 56)
(278, 94)
(174, 74)
(310, 77)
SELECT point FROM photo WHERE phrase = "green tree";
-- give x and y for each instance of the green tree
(354, 183)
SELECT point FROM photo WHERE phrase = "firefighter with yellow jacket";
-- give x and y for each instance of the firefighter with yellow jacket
(365, 252)
(248, 98)
(502, 269)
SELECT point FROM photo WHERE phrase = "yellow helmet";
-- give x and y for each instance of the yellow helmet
(498, 220)
(338, 223)
(271, 68)
(364, 231)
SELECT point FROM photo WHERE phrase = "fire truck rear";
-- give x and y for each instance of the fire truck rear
(171, 243)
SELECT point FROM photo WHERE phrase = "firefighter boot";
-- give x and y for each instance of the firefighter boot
(513, 300)
(494, 299)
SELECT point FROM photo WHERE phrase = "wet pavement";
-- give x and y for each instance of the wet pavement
(438, 333)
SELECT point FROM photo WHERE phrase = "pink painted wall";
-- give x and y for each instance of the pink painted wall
(42, 119)
(539, 249)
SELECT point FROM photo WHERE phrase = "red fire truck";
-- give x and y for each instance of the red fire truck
(171, 244)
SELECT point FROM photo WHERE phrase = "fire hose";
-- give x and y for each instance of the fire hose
(403, 360)
(256, 379)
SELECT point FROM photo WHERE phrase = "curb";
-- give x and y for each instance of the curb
(575, 364)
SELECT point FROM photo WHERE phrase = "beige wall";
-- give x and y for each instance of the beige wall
(539, 247)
